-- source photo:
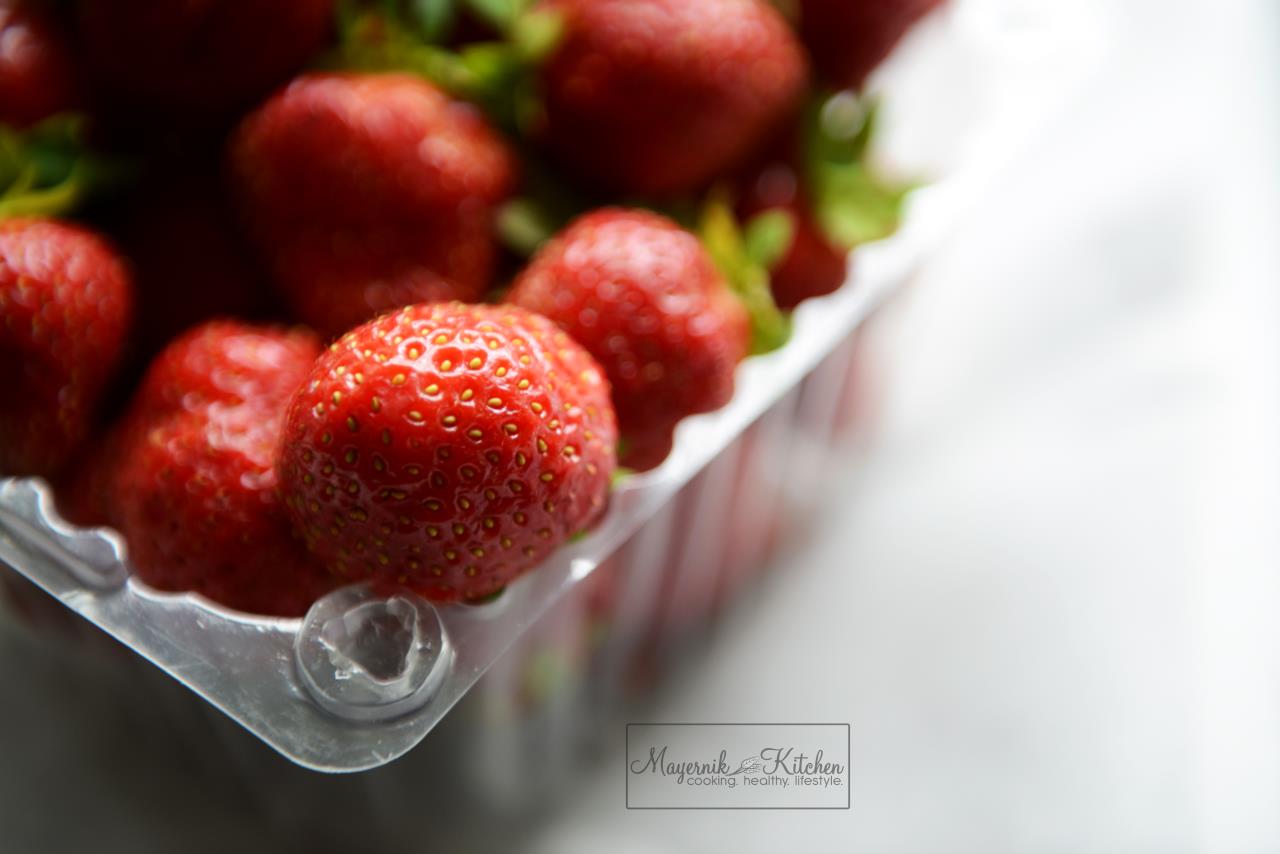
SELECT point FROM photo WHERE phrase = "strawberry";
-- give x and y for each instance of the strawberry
(847, 39)
(193, 485)
(643, 297)
(199, 59)
(196, 501)
(37, 78)
(812, 265)
(370, 191)
(66, 301)
(223, 362)
(660, 97)
(448, 448)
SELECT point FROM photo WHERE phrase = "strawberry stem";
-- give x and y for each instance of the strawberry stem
(747, 277)
(47, 170)
(768, 236)
(499, 76)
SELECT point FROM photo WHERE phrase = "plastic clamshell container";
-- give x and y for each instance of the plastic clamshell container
(361, 679)
(306, 686)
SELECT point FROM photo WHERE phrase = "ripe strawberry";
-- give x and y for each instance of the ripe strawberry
(193, 488)
(223, 362)
(659, 97)
(847, 39)
(812, 266)
(36, 73)
(66, 301)
(447, 447)
(642, 296)
(198, 58)
(367, 192)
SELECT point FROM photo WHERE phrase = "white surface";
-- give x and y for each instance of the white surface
(1046, 606)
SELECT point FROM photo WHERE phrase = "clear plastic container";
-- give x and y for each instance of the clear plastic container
(362, 680)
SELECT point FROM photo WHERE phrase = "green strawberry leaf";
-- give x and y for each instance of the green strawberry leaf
(373, 41)
(492, 66)
(856, 207)
(524, 225)
(47, 170)
(23, 198)
(749, 280)
(504, 72)
(768, 236)
(432, 19)
(536, 33)
(498, 76)
(499, 14)
(852, 203)
(429, 21)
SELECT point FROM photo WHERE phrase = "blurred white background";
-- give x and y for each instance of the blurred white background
(1046, 598)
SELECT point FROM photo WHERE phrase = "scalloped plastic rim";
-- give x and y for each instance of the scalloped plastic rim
(244, 665)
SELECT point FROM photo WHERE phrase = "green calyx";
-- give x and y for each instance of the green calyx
(852, 203)
(47, 170)
(768, 236)
(372, 41)
(499, 76)
(744, 256)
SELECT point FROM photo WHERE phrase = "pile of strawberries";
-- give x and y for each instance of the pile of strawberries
(301, 293)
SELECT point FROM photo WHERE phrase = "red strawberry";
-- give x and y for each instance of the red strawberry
(642, 296)
(36, 74)
(224, 361)
(847, 39)
(368, 192)
(198, 57)
(65, 307)
(660, 97)
(193, 488)
(812, 266)
(448, 447)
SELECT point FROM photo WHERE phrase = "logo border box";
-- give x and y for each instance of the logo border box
(848, 742)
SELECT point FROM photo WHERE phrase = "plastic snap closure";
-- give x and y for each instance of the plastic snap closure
(367, 656)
